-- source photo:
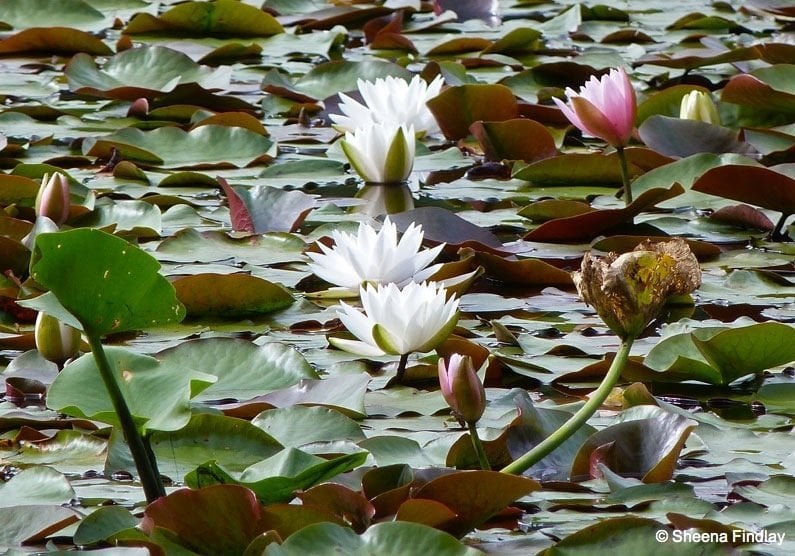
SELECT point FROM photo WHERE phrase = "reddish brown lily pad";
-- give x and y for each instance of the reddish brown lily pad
(456, 108)
(54, 40)
(756, 185)
(230, 295)
(589, 225)
(517, 139)
(475, 495)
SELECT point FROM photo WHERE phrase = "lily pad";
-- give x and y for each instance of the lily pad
(54, 40)
(230, 295)
(645, 445)
(158, 394)
(221, 519)
(38, 485)
(518, 139)
(457, 108)
(277, 479)
(208, 146)
(244, 369)
(719, 355)
(123, 75)
(384, 539)
(115, 289)
(218, 18)
(233, 443)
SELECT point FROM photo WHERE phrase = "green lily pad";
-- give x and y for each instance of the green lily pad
(158, 394)
(38, 485)
(720, 355)
(116, 288)
(244, 369)
(219, 18)
(206, 146)
(31, 524)
(72, 13)
(681, 138)
(230, 295)
(123, 76)
(330, 78)
(298, 425)
(189, 245)
(232, 443)
(628, 535)
(277, 479)
(384, 539)
(103, 523)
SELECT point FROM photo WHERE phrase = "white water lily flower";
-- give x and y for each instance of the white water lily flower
(375, 257)
(381, 153)
(391, 100)
(397, 321)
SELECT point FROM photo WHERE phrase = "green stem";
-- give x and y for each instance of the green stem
(141, 451)
(622, 158)
(478, 445)
(549, 444)
(401, 369)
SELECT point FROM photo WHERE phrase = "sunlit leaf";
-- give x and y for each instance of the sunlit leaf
(244, 369)
(115, 289)
(158, 394)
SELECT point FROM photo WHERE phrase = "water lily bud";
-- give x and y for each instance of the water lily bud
(628, 291)
(603, 108)
(461, 387)
(381, 153)
(52, 200)
(55, 340)
(698, 105)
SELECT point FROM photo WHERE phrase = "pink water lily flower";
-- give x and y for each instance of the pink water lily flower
(603, 108)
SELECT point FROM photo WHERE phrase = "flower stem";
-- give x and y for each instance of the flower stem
(622, 158)
(549, 444)
(478, 445)
(401, 369)
(142, 453)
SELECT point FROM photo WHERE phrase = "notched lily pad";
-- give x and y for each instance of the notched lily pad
(517, 139)
(584, 227)
(123, 75)
(718, 355)
(209, 146)
(645, 445)
(457, 108)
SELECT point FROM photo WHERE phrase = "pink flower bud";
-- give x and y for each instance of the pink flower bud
(461, 388)
(53, 198)
(603, 108)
